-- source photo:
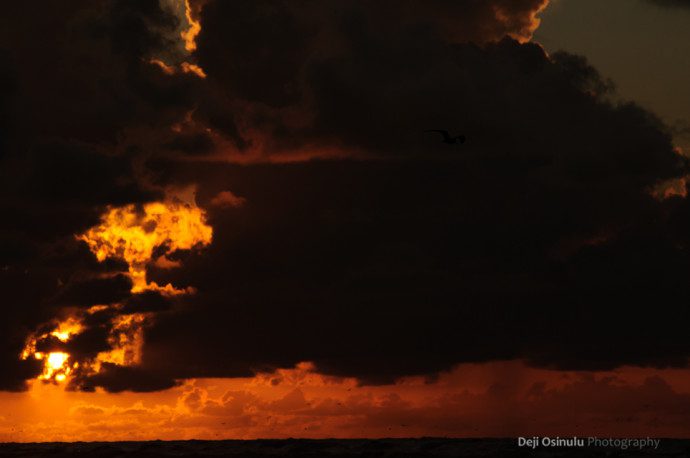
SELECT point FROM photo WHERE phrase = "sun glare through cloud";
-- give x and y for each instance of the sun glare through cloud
(133, 235)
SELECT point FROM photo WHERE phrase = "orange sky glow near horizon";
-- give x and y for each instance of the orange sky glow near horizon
(499, 399)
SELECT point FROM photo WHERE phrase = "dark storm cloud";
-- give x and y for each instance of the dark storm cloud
(75, 80)
(90, 291)
(36, 280)
(80, 71)
(5, 95)
(274, 64)
(538, 238)
(115, 379)
(73, 175)
(148, 301)
(382, 270)
(196, 143)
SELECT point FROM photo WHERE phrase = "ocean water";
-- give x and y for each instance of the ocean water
(388, 448)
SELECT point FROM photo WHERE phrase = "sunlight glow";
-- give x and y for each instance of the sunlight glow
(133, 234)
(56, 360)
(189, 35)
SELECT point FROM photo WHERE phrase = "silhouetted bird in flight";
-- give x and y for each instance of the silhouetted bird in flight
(460, 139)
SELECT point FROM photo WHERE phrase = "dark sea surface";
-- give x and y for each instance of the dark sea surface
(407, 448)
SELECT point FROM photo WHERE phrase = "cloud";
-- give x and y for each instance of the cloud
(74, 81)
(360, 242)
(292, 54)
(115, 378)
(537, 239)
(88, 292)
(486, 400)
(227, 199)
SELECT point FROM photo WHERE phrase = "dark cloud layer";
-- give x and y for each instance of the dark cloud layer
(74, 80)
(116, 379)
(539, 238)
(291, 73)
(382, 270)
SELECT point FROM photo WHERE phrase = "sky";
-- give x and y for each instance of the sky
(235, 219)
(642, 46)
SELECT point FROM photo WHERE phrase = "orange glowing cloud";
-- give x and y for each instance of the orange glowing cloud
(132, 234)
(193, 68)
(499, 399)
(182, 61)
(56, 364)
(226, 199)
(523, 26)
(189, 35)
(184, 67)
